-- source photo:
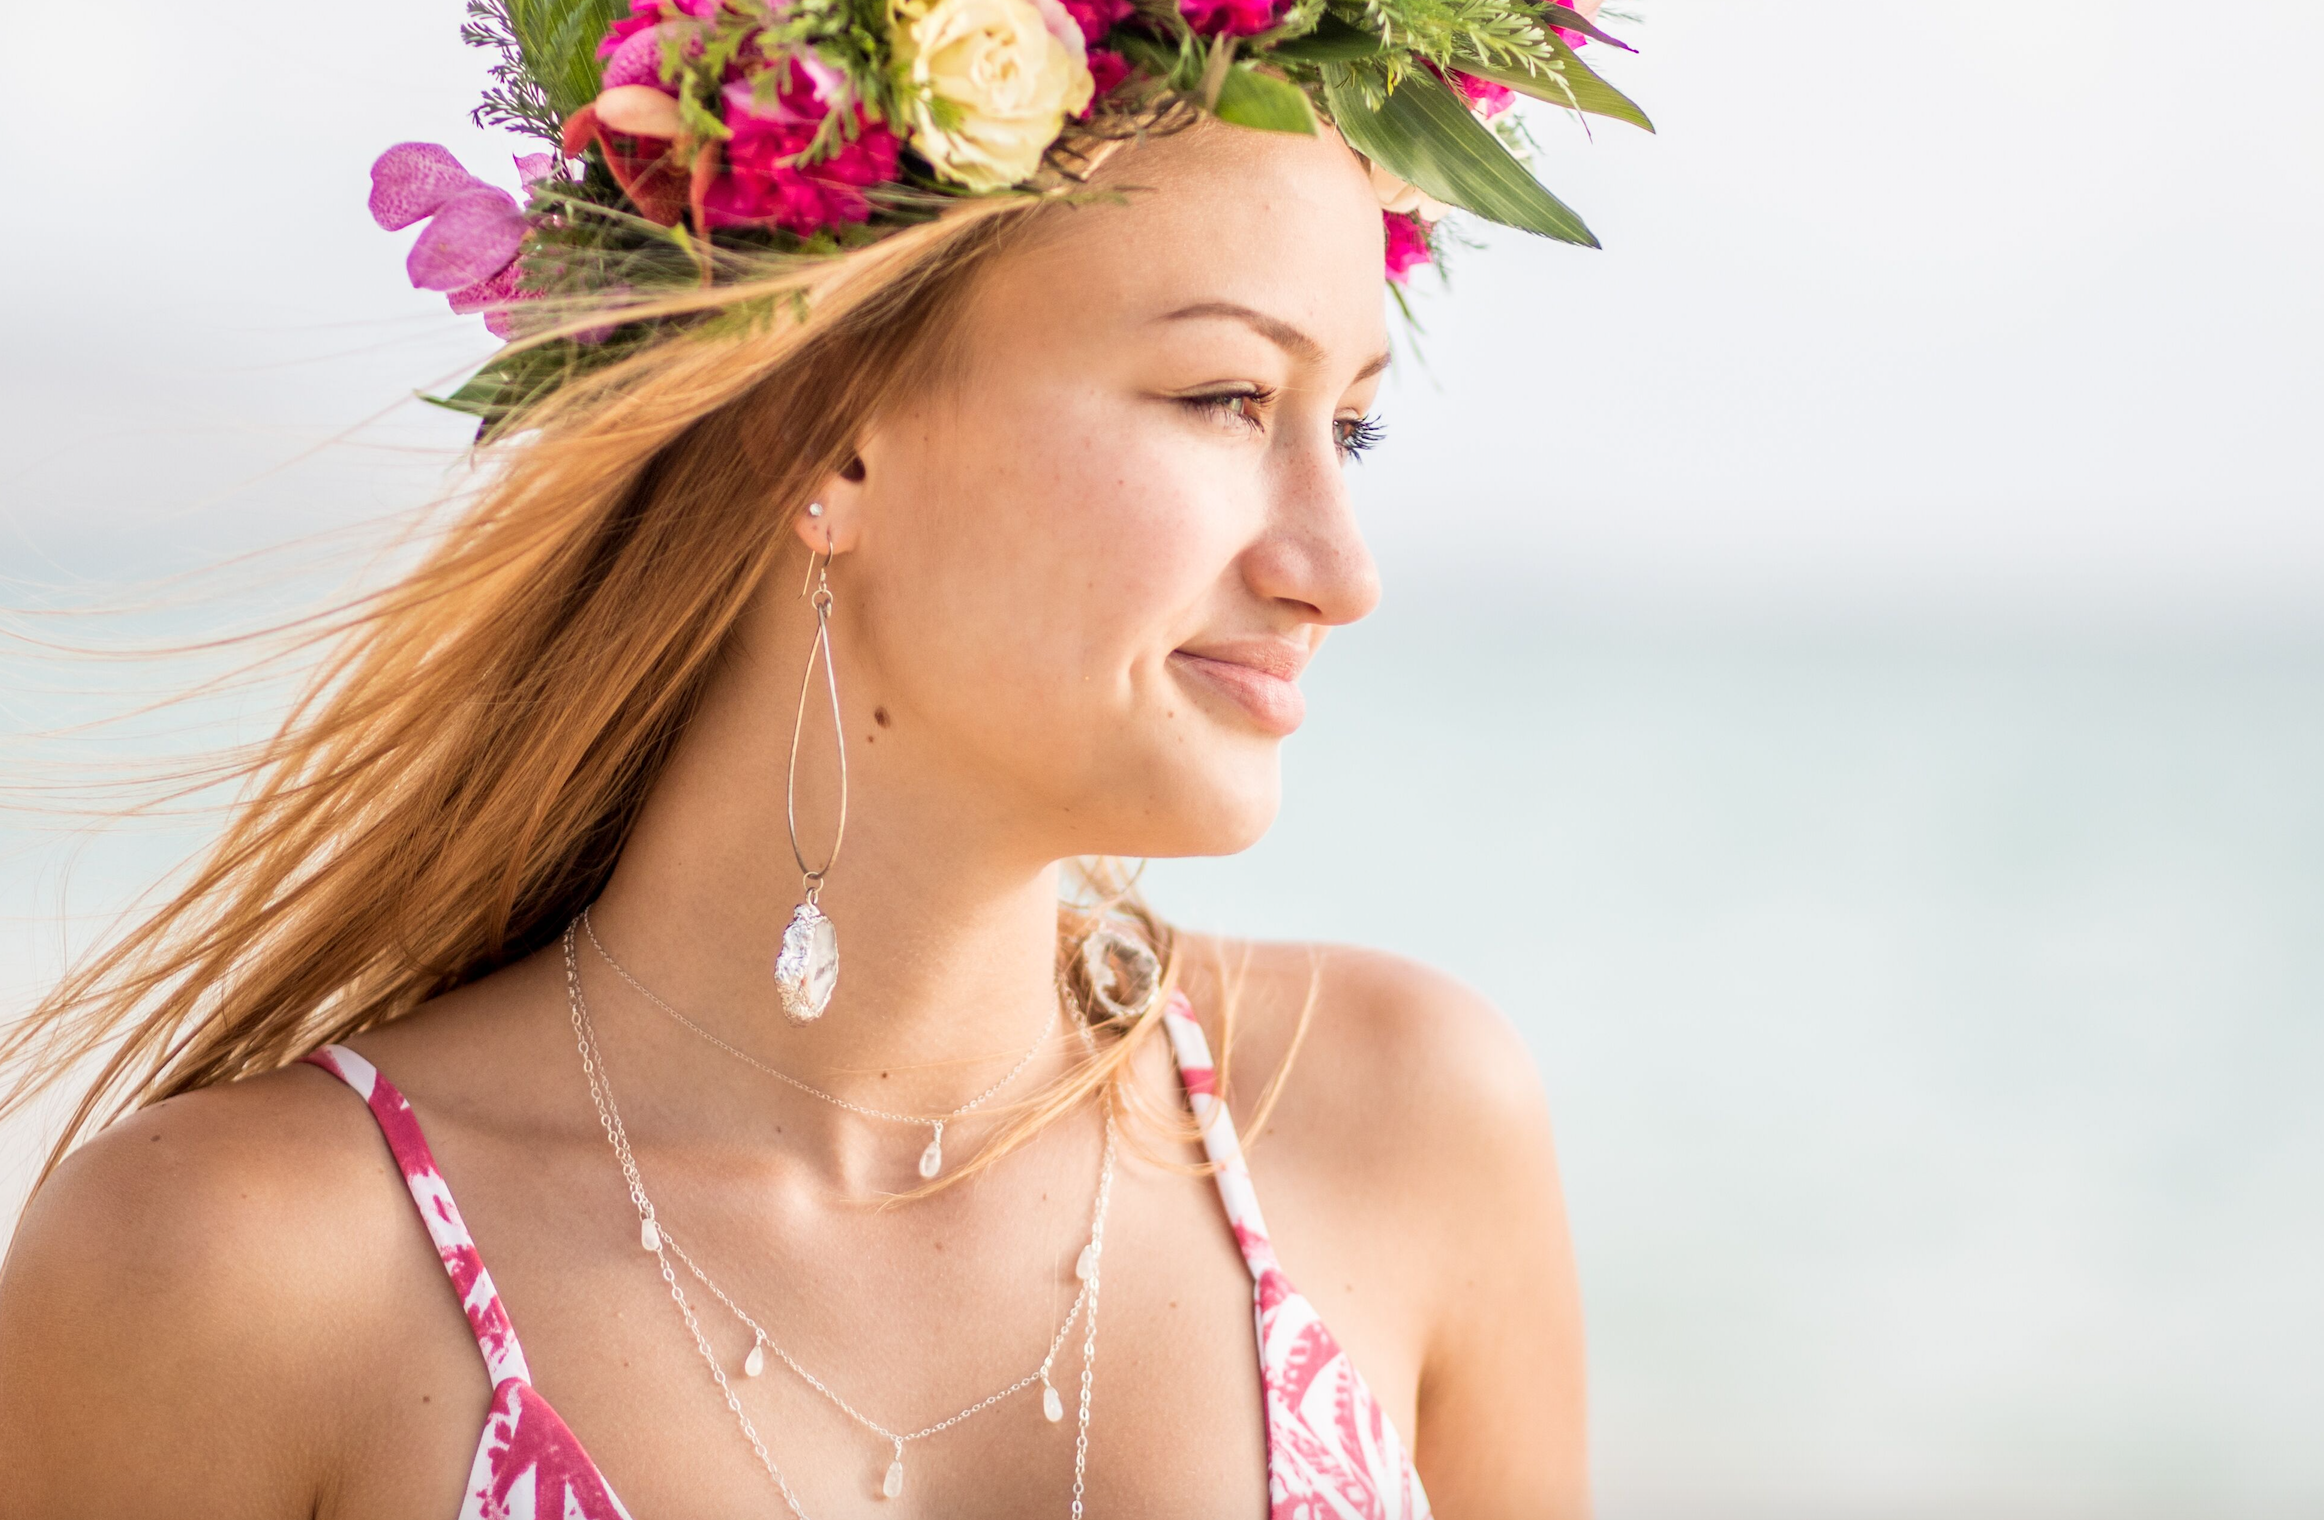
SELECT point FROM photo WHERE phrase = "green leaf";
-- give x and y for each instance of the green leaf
(1249, 98)
(1332, 41)
(1424, 135)
(1572, 85)
(1575, 21)
(560, 38)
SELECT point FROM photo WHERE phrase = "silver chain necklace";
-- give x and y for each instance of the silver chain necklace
(931, 1159)
(654, 1237)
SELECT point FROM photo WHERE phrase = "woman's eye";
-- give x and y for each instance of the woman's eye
(1241, 408)
(1357, 436)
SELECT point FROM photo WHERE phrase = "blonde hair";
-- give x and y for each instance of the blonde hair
(458, 776)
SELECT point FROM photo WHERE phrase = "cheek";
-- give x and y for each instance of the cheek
(1065, 531)
(1040, 554)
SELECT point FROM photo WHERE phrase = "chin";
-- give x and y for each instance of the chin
(1221, 809)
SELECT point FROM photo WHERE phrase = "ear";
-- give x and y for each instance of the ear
(834, 518)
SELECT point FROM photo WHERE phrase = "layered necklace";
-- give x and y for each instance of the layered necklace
(931, 1159)
(655, 1236)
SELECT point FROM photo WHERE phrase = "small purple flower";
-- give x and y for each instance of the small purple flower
(469, 246)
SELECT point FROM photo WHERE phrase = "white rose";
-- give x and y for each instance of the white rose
(991, 83)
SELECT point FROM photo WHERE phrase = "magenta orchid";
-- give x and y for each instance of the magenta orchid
(468, 248)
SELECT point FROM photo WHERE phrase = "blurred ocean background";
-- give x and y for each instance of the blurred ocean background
(1851, 684)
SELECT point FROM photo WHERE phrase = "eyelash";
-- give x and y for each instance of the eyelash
(1353, 436)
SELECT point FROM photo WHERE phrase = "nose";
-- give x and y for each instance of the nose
(1311, 554)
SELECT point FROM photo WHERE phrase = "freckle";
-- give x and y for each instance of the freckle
(427, 1398)
(880, 716)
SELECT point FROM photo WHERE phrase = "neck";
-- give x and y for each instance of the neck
(947, 921)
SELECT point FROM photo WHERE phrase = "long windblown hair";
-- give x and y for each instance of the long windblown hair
(458, 776)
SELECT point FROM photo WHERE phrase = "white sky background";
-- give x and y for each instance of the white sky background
(1907, 303)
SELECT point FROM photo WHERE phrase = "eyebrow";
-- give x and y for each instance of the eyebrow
(1274, 329)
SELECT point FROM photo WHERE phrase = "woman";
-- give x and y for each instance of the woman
(826, 633)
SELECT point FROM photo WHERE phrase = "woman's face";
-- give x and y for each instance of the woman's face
(1080, 574)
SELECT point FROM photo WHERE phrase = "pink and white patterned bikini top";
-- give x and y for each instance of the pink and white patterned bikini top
(1331, 1452)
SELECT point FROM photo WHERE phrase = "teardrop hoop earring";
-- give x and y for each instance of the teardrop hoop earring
(808, 968)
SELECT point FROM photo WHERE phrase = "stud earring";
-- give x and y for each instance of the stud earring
(808, 968)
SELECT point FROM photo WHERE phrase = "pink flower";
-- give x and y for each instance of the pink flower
(1485, 97)
(1106, 70)
(1232, 18)
(762, 183)
(1407, 244)
(1588, 10)
(469, 246)
(1096, 18)
(637, 58)
(645, 15)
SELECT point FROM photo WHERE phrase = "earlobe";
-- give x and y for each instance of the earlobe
(833, 518)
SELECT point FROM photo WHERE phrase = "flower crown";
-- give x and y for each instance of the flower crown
(694, 141)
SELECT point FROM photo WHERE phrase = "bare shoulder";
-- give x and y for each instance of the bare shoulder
(207, 1272)
(1383, 1052)
(1411, 1139)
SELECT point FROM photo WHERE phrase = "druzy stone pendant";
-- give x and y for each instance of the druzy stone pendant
(892, 1486)
(1052, 1407)
(932, 1159)
(808, 967)
(649, 1235)
(1086, 1263)
(756, 1362)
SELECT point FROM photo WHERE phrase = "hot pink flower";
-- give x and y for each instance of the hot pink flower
(1485, 97)
(1407, 244)
(637, 59)
(645, 15)
(762, 183)
(1572, 37)
(469, 246)
(1106, 70)
(1232, 18)
(1096, 18)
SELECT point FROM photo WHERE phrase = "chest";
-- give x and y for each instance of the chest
(908, 1328)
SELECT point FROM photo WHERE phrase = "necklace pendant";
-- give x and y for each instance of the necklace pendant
(1085, 1265)
(892, 1486)
(932, 1159)
(808, 968)
(756, 1362)
(1052, 1407)
(649, 1235)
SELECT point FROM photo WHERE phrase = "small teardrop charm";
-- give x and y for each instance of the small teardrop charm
(1052, 1407)
(649, 1235)
(893, 1484)
(756, 1362)
(932, 1159)
(1085, 1265)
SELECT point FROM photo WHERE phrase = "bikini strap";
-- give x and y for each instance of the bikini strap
(1219, 1141)
(504, 1359)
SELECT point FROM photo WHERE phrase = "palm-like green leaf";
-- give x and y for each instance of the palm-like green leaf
(1332, 41)
(1421, 132)
(1572, 84)
(560, 38)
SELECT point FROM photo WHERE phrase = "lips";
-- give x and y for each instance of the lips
(1258, 676)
